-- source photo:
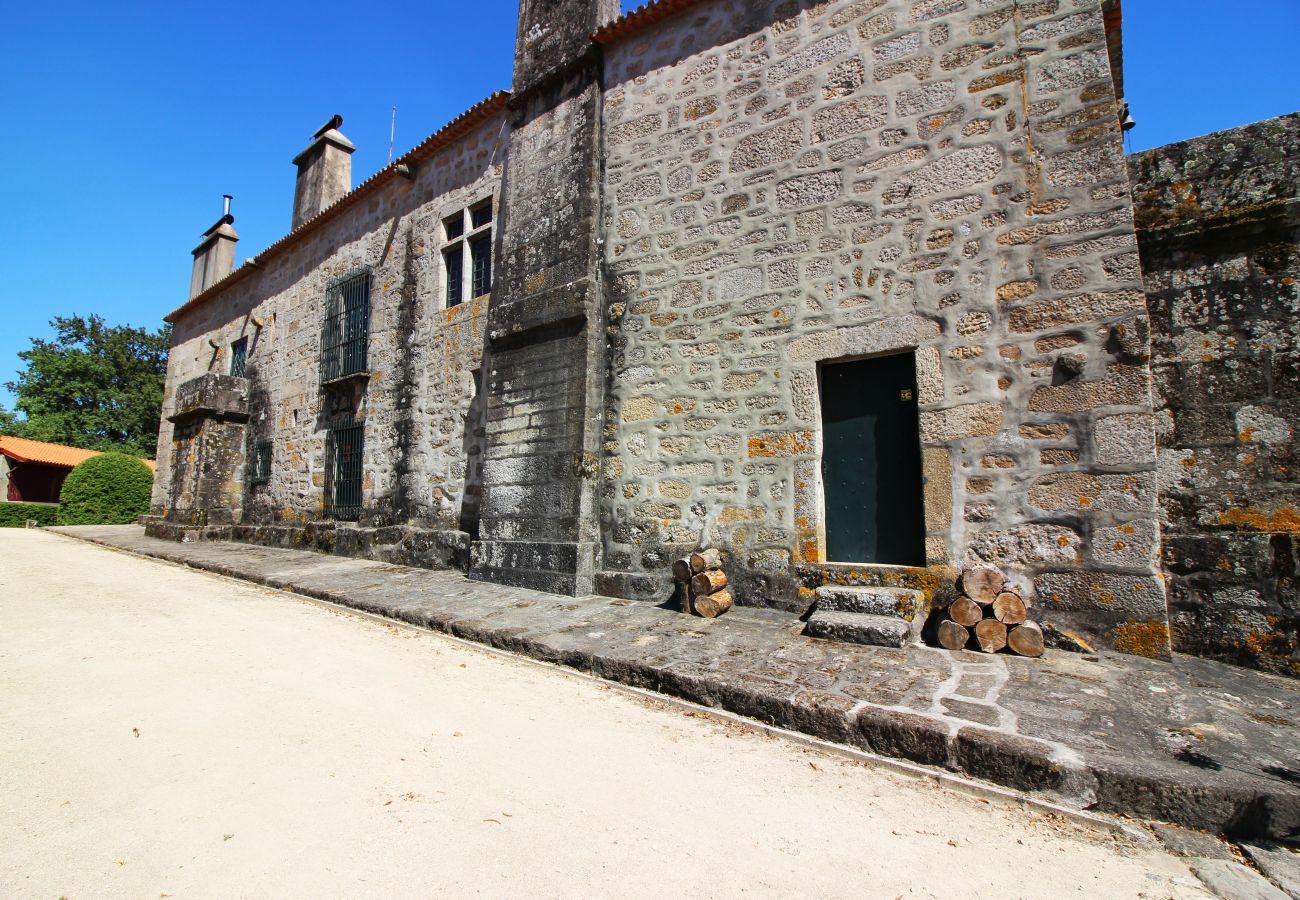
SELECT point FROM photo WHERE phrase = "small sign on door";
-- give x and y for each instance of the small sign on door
(905, 394)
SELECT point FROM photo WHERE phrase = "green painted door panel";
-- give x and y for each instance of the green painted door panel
(871, 462)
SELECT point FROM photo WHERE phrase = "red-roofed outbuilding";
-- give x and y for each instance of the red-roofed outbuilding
(33, 471)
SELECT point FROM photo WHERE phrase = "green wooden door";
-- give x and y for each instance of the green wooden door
(871, 462)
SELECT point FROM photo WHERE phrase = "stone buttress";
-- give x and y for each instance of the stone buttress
(538, 524)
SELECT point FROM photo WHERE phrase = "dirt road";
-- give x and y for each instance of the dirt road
(169, 733)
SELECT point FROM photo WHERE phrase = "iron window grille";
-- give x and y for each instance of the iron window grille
(347, 326)
(343, 471)
(239, 357)
(260, 470)
(455, 277)
(480, 253)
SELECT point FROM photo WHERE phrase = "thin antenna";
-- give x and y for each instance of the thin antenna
(392, 131)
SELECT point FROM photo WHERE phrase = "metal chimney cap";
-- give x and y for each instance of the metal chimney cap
(335, 121)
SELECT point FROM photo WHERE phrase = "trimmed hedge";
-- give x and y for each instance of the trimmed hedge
(15, 515)
(112, 489)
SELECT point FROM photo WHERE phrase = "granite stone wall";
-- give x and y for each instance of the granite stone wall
(1219, 220)
(790, 184)
(421, 459)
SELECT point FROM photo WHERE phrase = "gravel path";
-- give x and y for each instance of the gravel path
(170, 733)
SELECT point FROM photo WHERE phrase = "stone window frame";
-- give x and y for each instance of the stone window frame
(460, 238)
(850, 343)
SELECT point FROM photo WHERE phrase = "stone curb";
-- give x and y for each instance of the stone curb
(1240, 807)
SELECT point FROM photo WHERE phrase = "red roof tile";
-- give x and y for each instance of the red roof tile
(23, 450)
(640, 18)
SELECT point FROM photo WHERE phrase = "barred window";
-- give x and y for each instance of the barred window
(480, 253)
(455, 278)
(259, 471)
(239, 357)
(347, 326)
(343, 471)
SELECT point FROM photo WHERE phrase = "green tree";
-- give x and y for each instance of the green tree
(93, 385)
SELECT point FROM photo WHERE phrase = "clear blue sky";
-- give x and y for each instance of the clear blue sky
(123, 123)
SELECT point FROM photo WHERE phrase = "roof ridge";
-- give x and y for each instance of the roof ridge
(641, 17)
(455, 128)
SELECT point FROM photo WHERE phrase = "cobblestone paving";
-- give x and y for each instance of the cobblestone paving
(1192, 742)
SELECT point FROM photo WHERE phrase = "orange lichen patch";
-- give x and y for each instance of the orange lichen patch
(1150, 638)
(1189, 462)
(788, 443)
(1246, 435)
(1063, 541)
(1284, 519)
(1224, 565)
(809, 551)
(1119, 546)
(925, 580)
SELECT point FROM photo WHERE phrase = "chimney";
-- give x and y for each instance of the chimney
(214, 257)
(324, 172)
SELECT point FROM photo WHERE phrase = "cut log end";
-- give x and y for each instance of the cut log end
(992, 635)
(953, 636)
(1009, 609)
(982, 583)
(710, 606)
(706, 559)
(1026, 639)
(965, 611)
(709, 582)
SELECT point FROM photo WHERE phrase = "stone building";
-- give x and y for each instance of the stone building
(850, 289)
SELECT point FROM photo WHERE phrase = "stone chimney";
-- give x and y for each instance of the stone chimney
(214, 257)
(324, 172)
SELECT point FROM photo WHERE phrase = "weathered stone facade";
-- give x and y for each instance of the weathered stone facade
(701, 206)
(421, 458)
(1219, 228)
(790, 186)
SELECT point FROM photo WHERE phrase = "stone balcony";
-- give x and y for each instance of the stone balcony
(212, 396)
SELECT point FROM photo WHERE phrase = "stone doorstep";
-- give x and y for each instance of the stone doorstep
(1243, 806)
(899, 603)
(859, 628)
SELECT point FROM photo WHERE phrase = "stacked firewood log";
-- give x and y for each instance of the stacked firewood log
(702, 584)
(992, 611)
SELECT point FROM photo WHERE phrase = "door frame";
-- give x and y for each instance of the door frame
(883, 337)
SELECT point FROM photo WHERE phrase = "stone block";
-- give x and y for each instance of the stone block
(858, 628)
(897, 603)
(767, 148)
(1125, 440)
(967, 166)
(957, 422)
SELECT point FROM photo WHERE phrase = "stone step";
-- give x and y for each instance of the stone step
(898, 603)
(859, 628)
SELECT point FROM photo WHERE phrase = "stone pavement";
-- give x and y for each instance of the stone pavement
(1192, 742)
